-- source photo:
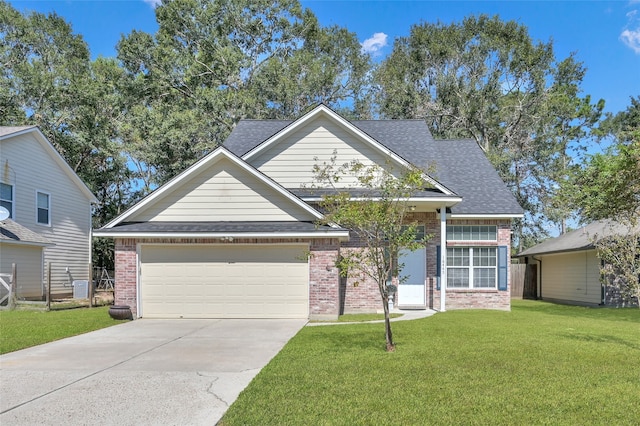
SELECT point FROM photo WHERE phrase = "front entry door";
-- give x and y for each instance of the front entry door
(411, 292)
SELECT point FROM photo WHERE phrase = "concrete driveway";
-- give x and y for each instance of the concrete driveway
(145, 372)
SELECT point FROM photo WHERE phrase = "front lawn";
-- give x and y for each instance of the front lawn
(538, 364)
(24, 328)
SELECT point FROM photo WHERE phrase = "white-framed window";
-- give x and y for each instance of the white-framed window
(6, 197)
(472, 267)
(472, 233)
(43, 208)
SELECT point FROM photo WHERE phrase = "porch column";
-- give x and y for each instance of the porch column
(443, 258)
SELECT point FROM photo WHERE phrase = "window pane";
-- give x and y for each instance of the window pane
(43, 208)
(43, 201)
(484, 277)
(6, 192)
(43, 216)
(471, 232)
(484, 256)
(457, 256)
(457, 277)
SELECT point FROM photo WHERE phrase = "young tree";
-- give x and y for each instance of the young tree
(377, 218)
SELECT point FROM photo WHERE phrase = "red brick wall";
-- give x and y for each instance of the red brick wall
(360, 293)
(126, 269)
(324, 280)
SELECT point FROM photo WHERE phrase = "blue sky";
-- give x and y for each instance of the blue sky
(605, 35)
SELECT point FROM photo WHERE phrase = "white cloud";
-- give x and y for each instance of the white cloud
(374, 43)
(631, 34)
(153, 3)
(632, 39)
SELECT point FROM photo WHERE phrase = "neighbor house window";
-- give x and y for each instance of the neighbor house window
(472, 233)
(472, 267)
(6, 197)
(43, 208)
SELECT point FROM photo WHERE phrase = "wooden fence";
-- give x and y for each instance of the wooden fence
(524, 279)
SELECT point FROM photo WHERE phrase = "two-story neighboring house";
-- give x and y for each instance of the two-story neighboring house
(49, 215)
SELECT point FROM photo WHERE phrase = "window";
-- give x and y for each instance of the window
(43, 208)
(472, 233)
(6, 197)
(472, 267)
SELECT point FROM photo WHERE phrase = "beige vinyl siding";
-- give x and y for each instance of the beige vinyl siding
(29, 167)
(222, 192)
(29, 270)
(572, 277)
(290, 161)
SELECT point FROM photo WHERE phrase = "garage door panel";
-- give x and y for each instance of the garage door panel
(224, 281)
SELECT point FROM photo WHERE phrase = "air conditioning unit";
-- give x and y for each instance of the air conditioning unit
(80, 289)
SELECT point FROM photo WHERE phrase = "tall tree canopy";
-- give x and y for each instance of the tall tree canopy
(607, 185)
(213, 63)
(488, 80)
(47, 79)
(130, 123)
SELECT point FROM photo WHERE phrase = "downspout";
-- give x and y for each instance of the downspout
(539, 273)
(443, 258)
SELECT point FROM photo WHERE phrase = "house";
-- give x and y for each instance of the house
(235, 235)
(49, 215)
(569, 267)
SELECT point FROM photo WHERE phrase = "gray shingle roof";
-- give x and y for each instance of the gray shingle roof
(579, 239)
(220, 227)
(13, 232)
(460, 165)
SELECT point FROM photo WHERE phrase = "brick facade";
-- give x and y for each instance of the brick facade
(329, 294)
(126, 274)
(324, 280)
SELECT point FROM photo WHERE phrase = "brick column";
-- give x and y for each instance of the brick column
(126, 267)
(324, 280)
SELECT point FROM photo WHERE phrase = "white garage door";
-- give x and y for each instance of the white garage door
(231, 281)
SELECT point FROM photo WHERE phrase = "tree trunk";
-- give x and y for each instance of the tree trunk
(387, 325)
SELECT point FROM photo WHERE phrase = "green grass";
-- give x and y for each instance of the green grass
(538, 364)
(362, 317)
(365, 317)
(21, 329)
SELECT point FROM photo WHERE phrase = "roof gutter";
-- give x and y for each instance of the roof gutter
(341, 235)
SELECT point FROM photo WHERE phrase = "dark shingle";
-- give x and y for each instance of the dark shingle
(460, 165)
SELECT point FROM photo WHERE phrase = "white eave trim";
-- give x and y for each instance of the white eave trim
(449, 201)
(487, 216)
(221, 151)
(332, 114)
(329, 234)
